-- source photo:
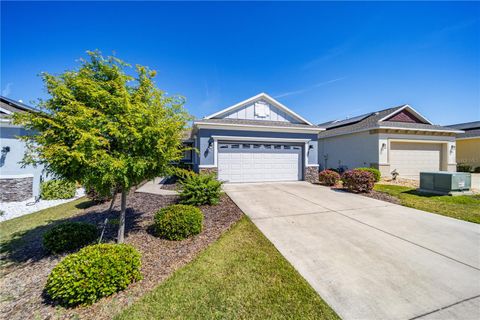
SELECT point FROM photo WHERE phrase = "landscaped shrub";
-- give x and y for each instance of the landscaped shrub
(358, 180)
(97, 197)
(178, 221)
(69, 236)
(200, 189)
(376, 173)
(57, 189)
(92, 273)
(462, 167)
(181, 174)
(328, 177)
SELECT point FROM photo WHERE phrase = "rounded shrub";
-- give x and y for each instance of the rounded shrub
(69, 236)
(376, 173)
(92, 273)
(178, 221)
(57, 189)
(358, 180)
(198, 189)
(328, 177)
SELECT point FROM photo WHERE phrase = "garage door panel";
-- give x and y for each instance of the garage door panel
(409, 159)
(260, 163)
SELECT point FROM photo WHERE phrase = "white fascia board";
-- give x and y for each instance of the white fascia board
(418, 114)
(243, 127)
(392, 128)
(6, 111)
(260, 96)
(468, 138)
(264, 139)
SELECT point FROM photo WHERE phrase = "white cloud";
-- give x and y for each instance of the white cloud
(320, 84)
(7, 90)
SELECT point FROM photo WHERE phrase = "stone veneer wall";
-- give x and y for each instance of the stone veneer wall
(311, 174)
(209, 171)
(16, 189)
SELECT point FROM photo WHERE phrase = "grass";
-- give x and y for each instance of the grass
(459, 207)
(10, 228)
(241, 276)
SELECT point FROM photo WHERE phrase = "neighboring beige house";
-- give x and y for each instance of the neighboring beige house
(398, 138)
(468, 143)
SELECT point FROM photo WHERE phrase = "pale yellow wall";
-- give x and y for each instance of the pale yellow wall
(468, 151)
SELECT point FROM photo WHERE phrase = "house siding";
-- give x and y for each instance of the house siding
(248, 112)
(350, 151)
(10, 162)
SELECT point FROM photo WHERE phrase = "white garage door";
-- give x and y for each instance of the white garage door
(256, 162)
(409, 159)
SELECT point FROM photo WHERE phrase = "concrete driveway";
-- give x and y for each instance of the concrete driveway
(369, 259)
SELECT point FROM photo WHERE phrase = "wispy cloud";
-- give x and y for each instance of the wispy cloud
(299, 91)
(7, 90)
(439, 35)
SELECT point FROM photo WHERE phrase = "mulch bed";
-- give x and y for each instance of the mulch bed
(171, 184)
(381, 196)
(22, 282)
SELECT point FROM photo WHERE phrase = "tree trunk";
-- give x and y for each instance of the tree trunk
(121, 224)
(114, 195)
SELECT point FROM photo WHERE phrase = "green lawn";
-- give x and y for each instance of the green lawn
(459, 207)
(241, 276)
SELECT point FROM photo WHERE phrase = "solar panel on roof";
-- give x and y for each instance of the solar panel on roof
(341, 123)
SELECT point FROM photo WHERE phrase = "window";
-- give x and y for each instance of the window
(296, 148)
(267, 146)
(277, 146)
(286, 147)
(261, 110)
(245, 146)
(223, 146)
(235, 146)
(256, 146)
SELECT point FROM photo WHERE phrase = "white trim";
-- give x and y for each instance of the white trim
(418, 141)
(207, 166)
(468, 138)
(392, 128)
(232, 126)
(16, 176)
(411, 109)
(6, 111)
(313, 165)
(236, 138)
(259, 96)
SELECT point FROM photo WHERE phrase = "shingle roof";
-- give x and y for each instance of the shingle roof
(257, 123)
(466, 126)
(12, 106)
(372, 121)
(469, 134)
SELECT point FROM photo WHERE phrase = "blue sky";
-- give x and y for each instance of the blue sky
(324, 60)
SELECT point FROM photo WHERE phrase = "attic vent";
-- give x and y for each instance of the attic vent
(261, 110)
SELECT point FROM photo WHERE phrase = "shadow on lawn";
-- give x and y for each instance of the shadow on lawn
(27, 245)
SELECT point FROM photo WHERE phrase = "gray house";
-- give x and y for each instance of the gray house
(258, 139)
(17, 183)
(398, 138)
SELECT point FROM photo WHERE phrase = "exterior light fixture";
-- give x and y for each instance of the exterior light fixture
(384, 146)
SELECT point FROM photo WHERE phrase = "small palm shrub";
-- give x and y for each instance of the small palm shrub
(178, 221)
(200, 189)
(358, 180)
(69, 236)
(57, 189)
(376, 173)
(92, 273)
(328, 177)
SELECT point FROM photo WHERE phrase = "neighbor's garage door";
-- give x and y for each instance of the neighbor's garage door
(409, 159)
(256, 162)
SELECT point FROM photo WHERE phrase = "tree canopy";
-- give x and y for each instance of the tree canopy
(103, 127)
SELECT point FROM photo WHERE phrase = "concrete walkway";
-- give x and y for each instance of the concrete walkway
(369, 259)
(155, 187)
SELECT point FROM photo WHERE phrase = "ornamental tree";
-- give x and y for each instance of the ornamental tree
(105, 128)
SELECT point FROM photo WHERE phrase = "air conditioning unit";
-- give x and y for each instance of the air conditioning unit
(443, 182)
